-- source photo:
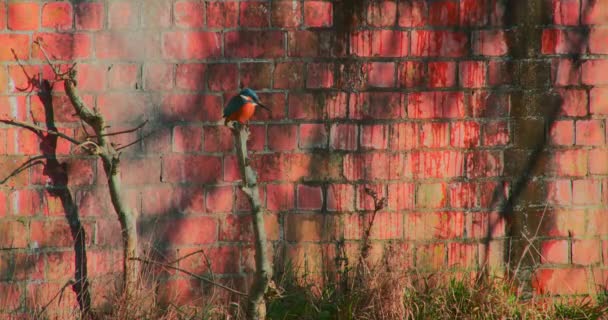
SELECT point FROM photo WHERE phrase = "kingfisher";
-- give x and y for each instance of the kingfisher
(242, 106)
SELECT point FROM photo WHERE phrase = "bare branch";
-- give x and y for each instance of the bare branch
(134, 142)
(28, 164)
(58, 294)
(46, 57)
(164, 265)
(124, 131)
(38, 129)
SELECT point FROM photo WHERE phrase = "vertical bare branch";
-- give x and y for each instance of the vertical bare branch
(256, 304)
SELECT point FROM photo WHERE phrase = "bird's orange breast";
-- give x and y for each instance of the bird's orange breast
(244, 113)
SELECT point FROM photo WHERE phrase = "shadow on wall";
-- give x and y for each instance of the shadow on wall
(182, 177)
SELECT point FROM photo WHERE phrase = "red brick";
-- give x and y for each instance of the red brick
(201, 169)
(313, 43)
(257, 138)
(412, 13)
(431, 256)
(343, 137)
(57, 15)
(412, 74)
(554, 251)
(586, 252)
(374, 166)
(401, 196)
(219, 260)
(442, 74)
(282, 137)
(438, 164)
(303, 227)
(256, 75)
(586, 192)
(23, 15)
(590, 132)
(190, 107)
(364, 200)
(380, 43)
(318, 13)
(598, 103)
(254, 14)
(119, 45)
(254, 44)
(438, 43)
(597, 41)
(122, 107)
(562, 132)
(22, 141)
(597, 161)
(2, 16)
(431, 195)
(556, 41)
(193, 231)
(313, 136)
(386, 226)
(473, 12)
(574, 102)
(596, 12)
(566, 12)
(487, 104)
(275, 102)
(593, 72)
(55, 44)
(13, 235)
(123, 15)
(310, 197)
(157, 14)
(484, 164)
(190, 76)
(190, 200)
(404, 136)
(382, 14)
(434, 134)
(25, 202)
(484, 224)
(189, 14)
(320, 75)
(377, 105)
(123, 76)
(465, 134)
(499, 73)
(222, 76)
(462, 255)
(427, 105)
(340, 197)
(219, 199)
(570, 163)
(473, 74)
(374, 136)
(463, 195)
(158, 76)
(443, 13)
(222, 14)
(381, 74)
(288, 75)
(191, 45)
(89, 15)
(53, 234)
(496, 133)
(286, 14)
(280, 197)
(217, 139)
(490, 43)
(565, 72)
(187, 139)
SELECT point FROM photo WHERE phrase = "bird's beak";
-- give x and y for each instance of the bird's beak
(265, 107)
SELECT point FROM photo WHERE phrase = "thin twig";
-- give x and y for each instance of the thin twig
(125, 131)
(38, 129)
(46, 57)
(190, 274)
(60, 292)
(28, 164)
(134, 142)
(186, 256)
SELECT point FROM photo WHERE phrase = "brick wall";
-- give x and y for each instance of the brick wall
(480, 120)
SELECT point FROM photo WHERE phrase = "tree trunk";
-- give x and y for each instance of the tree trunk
(256, 304)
